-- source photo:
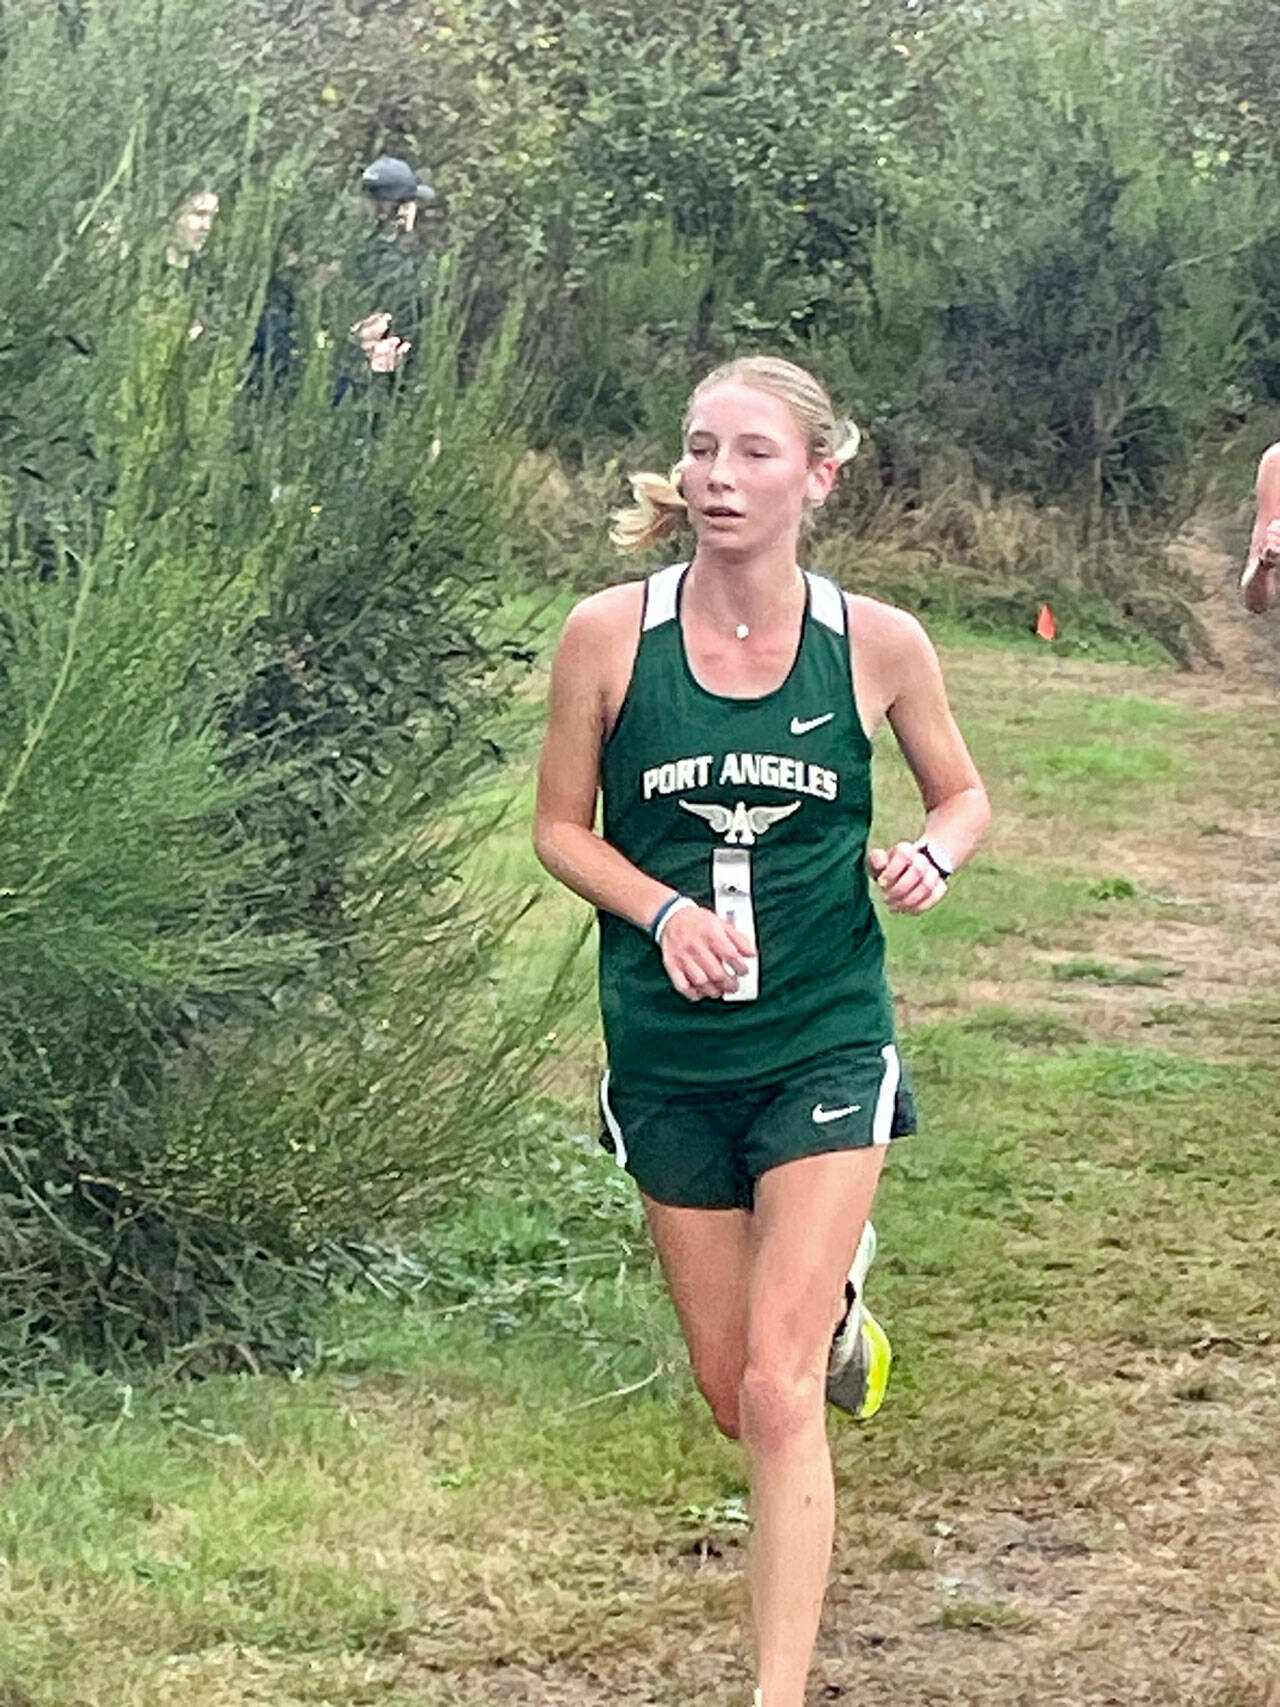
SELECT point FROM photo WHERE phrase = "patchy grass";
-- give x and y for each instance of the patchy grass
(509, 1466)
(988, 1616)
(1098, 972)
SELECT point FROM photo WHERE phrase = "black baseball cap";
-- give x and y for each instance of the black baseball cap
(391, 180)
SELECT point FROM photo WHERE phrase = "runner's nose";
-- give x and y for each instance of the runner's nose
(720, 476)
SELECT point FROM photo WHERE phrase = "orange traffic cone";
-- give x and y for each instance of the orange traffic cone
(1046, 627)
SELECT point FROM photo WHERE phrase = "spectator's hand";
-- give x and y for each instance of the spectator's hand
(386, 355)
(371, 330)
(383, 350)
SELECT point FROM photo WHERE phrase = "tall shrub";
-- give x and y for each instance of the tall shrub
(251, 658)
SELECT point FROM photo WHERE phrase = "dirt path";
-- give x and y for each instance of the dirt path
(1246, 666)
(1214, 868)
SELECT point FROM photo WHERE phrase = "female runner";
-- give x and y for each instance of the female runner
(724, 708)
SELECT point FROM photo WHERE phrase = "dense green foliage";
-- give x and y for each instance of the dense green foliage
(990, 227)
(250, 649)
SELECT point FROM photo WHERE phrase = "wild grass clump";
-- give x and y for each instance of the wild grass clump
(953, 548)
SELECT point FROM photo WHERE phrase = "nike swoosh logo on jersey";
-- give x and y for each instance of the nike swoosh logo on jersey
(822, 1115)
(802, 725)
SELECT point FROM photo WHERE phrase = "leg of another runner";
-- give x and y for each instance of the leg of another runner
(706, 1259)
(809, 1215)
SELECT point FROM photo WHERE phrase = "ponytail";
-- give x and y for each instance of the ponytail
(658, 510)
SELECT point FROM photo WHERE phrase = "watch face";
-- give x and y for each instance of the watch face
(938, 857)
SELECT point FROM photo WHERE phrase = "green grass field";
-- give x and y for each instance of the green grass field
(498, 1485)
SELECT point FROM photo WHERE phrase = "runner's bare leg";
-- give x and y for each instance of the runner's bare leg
(808, 1218)
(706, 1259)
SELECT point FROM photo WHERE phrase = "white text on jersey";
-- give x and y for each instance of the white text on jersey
(761, 770)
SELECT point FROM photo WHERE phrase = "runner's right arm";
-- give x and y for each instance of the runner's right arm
(703, 955)
(1258, 586)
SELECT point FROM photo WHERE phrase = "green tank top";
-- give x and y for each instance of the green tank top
(759, 808)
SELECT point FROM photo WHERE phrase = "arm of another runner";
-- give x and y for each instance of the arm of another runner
(702, 954)
(957, 810)
(1258, 582)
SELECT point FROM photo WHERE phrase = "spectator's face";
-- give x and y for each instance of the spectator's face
(195, 221)
(192, 227)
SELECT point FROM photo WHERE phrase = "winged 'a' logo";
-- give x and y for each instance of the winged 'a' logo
(740, 825)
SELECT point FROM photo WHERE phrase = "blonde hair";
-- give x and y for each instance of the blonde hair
(659, 506)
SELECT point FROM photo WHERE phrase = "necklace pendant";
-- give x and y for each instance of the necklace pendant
(742, 631)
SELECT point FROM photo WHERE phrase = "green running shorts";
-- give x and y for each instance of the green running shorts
(705, 1149)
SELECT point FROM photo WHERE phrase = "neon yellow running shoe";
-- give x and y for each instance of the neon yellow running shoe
(858, 1367)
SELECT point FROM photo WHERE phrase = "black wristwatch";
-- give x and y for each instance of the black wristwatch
(938, 858)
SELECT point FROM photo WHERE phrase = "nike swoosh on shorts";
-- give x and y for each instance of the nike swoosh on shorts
(822, 1115)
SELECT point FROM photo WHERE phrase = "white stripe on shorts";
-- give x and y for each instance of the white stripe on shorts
(882, 1120)
(611, 1125)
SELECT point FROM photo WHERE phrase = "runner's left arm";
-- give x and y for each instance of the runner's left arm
(957, 810)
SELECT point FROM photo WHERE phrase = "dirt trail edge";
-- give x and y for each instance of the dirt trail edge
(1210, 865)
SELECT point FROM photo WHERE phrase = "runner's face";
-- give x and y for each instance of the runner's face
(745, 472)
